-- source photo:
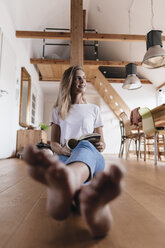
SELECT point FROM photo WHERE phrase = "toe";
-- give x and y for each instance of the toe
(116, 173)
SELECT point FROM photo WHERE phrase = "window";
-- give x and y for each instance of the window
(33, 112)
(161, 96)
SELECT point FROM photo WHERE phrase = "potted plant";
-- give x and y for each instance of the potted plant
(43, 126)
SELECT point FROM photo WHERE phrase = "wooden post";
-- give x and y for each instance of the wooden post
(84, 25)
(76, 53)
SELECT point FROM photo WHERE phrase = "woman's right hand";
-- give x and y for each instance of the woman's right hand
(61, 150)
(65, 151)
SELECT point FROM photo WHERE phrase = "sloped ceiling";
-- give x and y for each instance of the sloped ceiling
(106, 16)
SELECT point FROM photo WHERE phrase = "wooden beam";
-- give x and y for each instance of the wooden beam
(110, 63)
(110, 96)
(86, 36)
(49, 61)
(163, 84)
(110, 80)
(84, 20)
(84, 25)
(43, 35)
(76, 52)
(86, 62)
(114, 37)
(121, 80)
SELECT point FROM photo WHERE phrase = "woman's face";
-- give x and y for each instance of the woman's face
(79, 82)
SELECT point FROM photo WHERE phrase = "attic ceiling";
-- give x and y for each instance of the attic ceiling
(105, 16)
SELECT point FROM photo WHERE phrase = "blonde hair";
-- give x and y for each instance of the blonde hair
(64, 99)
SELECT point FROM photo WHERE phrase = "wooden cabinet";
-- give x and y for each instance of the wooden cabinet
(30, 137)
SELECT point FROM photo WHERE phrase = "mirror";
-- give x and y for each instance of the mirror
(25, 95)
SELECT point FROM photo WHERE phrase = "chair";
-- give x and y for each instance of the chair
(127, 135)
(150, 130)
(122, 139)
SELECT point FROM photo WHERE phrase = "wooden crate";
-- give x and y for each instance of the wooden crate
(30, 137)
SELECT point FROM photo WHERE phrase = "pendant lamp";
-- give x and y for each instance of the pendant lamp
(155, 55)
(131, 82)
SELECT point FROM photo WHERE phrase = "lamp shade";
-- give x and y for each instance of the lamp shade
(155, 55)
(131, 82)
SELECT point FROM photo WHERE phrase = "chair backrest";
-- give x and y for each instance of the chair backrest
(147, 121)
(123, 116)
(135, 117)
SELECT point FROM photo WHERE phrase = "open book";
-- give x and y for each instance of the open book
(91, 137)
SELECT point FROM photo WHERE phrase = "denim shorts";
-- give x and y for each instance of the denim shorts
(85, 152)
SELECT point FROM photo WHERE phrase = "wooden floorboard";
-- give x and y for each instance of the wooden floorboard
(139, 213)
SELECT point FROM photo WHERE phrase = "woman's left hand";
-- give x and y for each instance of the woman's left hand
(100, 146)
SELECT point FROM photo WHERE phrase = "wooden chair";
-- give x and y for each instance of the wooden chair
(127, 135)
(151, 131)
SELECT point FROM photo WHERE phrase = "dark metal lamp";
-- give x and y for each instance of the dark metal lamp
(131, 82)
(155, 55)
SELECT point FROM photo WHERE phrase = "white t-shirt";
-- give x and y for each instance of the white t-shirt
(82, 119)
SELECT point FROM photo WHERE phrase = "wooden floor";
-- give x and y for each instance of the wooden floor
(139, 213)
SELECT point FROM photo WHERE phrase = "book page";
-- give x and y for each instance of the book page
(89, 135)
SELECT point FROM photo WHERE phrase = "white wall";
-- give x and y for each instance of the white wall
(146, 96)
(14, 55)
(143, 97)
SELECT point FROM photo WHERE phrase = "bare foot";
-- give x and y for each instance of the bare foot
(104, 187)
(61, 190)
(60, 180)
(38, 163)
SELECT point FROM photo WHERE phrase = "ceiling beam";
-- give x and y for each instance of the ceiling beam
(160, 86)
(86, 62)
(114, 37)
(110, 80)
(84, 26)
(121, 80)
(43, 35)
(86, 36)
(76, 42)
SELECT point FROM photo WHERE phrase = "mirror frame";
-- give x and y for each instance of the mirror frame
(25, 76)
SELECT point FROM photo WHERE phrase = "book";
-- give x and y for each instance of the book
(91, 137)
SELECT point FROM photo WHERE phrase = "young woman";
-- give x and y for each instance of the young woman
(73, 117)
(77, 175)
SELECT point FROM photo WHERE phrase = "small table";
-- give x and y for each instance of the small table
(30, 137)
